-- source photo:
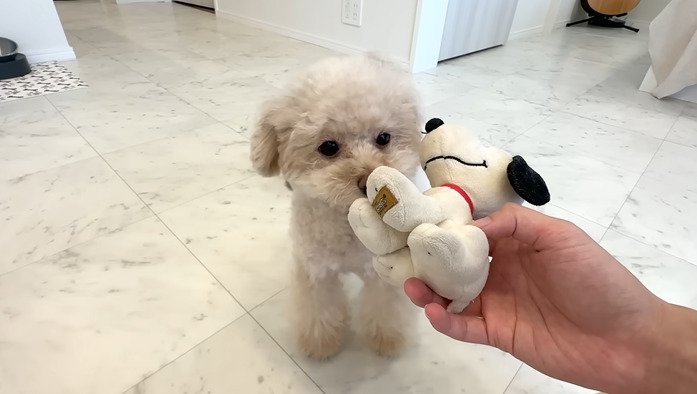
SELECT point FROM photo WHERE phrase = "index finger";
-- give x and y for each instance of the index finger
(517, 222)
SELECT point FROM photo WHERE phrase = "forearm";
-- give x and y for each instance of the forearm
(672, 366)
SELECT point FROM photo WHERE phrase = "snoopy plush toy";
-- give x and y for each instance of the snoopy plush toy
(429, 235)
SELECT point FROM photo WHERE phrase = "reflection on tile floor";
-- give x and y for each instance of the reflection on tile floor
(141, 254)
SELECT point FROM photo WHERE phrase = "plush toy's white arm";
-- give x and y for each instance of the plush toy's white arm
(434, 206)
(394, 268)
(376, 236)
(414, 208)
(453, 259)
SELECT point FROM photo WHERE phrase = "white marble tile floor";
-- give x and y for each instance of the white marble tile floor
(143, 255)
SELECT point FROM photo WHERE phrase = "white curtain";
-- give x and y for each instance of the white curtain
(673, 47)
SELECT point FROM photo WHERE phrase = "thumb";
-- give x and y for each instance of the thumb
(462, 327)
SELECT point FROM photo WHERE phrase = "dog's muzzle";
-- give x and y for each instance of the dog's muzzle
(363, 184)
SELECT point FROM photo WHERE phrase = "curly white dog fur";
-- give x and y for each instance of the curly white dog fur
(344, 118)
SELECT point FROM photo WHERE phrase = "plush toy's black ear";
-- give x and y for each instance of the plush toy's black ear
(527, 183)
(433, 124)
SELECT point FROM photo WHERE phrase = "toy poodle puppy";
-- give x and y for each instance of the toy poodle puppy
(345, 117)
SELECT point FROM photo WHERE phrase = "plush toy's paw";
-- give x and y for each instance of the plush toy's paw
(376, 236)
(457, 306)
(398, 201)
(394, 268)
(436, 247)
(453, 261)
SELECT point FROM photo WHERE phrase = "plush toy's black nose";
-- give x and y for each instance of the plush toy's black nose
(433, 124)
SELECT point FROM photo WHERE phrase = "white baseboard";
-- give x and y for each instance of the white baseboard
(560, 23)
(524, 33)
(50, 55)
(301, 35)
(140, 1)
(532, 31)
(639, 24)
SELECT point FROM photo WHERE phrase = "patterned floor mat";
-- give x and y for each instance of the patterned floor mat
(45, 78)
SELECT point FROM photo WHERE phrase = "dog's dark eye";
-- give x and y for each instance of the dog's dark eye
(383, 139)
(329, 148)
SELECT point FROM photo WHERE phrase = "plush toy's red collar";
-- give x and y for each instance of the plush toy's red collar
(463, 194)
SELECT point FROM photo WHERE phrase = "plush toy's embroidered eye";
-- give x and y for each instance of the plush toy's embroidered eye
(329, 148)
(383, 139)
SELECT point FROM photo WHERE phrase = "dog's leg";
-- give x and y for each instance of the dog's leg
(322, 313)
(386, 317)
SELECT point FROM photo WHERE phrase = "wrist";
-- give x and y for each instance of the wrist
(671, 353)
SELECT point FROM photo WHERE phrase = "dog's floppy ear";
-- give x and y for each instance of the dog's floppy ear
(527, 183)
(265, 139)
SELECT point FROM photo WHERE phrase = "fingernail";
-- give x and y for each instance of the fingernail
(483, 222)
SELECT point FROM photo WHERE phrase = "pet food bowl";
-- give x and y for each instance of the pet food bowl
(12, 63)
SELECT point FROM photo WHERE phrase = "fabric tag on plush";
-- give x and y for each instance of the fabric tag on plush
(384, 201)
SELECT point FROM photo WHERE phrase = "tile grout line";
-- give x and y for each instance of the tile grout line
(278, 344)
(633, 238)
(630, 193)
(155, 214)
(120, 228)
(576, 214)
(178, 205)
(165, 365)
(634, 187)
(520, 367)
(182, 99)
(44, 97)
(621, 127)
(507, 143)
(246, 311)
(653, 157)
(159, 85)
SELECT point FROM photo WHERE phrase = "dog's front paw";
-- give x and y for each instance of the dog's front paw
(376, 235)
(387, 342)
(322, 342)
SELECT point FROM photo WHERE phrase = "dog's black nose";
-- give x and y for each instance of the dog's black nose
(363, 184)
(433, 124)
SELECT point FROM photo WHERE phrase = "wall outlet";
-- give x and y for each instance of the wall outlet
(352, 12)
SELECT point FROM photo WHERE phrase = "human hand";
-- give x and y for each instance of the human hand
(557, 301)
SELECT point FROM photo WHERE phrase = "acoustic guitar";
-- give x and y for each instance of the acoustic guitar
(609, 7)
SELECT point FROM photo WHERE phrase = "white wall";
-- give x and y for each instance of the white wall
(428, 34)
(388, 25)
(644, 13)
(35, 27)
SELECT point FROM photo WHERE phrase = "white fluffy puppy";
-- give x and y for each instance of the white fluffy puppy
(325, 135)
